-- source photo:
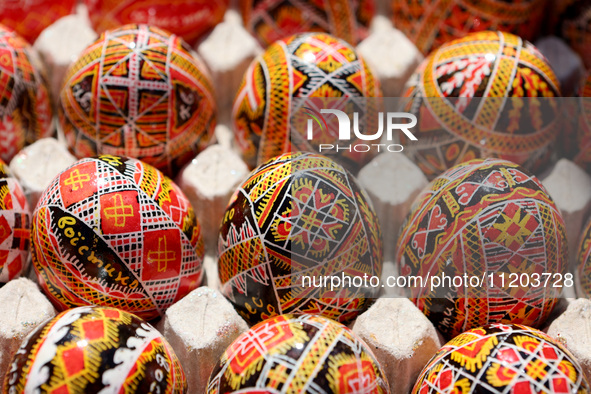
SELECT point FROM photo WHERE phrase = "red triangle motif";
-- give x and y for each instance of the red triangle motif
(298, 79)
(5, 230)
(356, 80)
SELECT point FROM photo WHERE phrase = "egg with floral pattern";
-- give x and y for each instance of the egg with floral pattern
(490, 246)
(298, 215)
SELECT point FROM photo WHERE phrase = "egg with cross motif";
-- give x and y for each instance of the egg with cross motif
(114, 231)
(15, 227)
(297, 354)
(92, 350)
(141, 92)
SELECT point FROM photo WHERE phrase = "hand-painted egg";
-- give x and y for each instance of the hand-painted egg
(190, 19)
(580, 147)
(584, 262)
(502, 358)
(431, 23)
(92, 350)
(139, 92)
(15, 227)
(25, 107)
(486, 95)
(571, 20)
(29, 17)
(288, 76)
(298, 215)
(298, 354)
(490, 227)
(114, 231)
(273, 20)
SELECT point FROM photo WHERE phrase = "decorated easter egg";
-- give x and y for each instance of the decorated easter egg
(581, 144)
(190, 19)
(114, 231)
(296, 354)
(431, 23)
(139, 92)
(273, 20)
(292, 75)
(25, 106)
(29, 17)
(571, 20)
(584, 262)
(489, 94)
(491, 229)
(91, 350)
(502, 358)
(298, 216)
(15, 227)
(280, 87)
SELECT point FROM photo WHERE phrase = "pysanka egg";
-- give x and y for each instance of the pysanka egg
(431, 23)
(300, 214)
(15, 227)
(30, 17)
(92, 350)
(501, 358)
(273, 20)
(298, 354)
(478, 97)
(114, 231)
(584, 262)
(488, 221)
(139, 92)
(190, 19)
(581, 145)
(25, 106)
(310, 66)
